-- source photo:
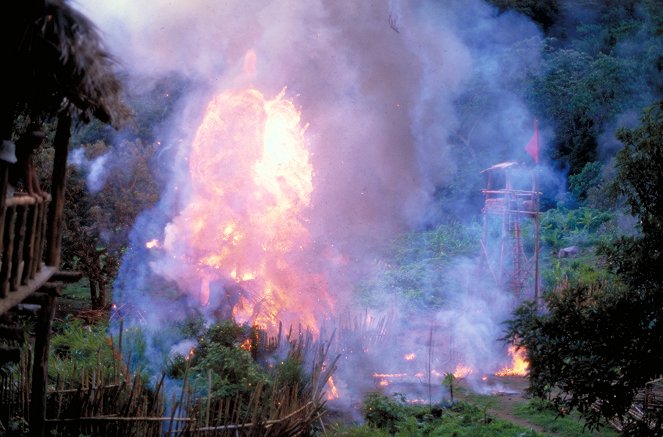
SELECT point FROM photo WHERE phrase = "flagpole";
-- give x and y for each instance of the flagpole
(536, 217)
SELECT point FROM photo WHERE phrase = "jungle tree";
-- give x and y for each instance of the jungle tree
(598, 344)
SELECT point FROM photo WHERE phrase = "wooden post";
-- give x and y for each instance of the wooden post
(29, 248)
(17, 265)
(7, 250)
(55, 212)
(40, 366)
(40, 237)
(537, 230)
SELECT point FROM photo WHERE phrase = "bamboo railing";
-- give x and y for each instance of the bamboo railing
(22, 240)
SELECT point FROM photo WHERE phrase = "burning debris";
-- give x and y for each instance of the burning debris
(519, 364)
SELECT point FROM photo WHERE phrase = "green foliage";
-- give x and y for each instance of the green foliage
(640, 171)
(582, 182)
(96, 226)
(234, 371)
(393, 416)
(448, 381)
(358, 431)
(585, 350)
(543, 413)
(86, 348)
(581, 94)
(289, 373)
(582, 227)
(419, 269)
(584, 270)
(384, 412)
(226, 349)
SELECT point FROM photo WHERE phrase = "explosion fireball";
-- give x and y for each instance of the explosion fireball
(241, 239)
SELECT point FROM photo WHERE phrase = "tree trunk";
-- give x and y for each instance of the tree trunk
(101, 297)
(93, 292)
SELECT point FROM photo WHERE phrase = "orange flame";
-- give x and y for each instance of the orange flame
(246, 345)
(332, 393)
(410, 357)
(245, 220)
(519, 364)
(462, 371)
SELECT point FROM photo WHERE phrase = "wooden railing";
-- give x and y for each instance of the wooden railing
(22, 239)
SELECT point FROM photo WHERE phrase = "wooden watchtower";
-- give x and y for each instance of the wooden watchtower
(510, 237)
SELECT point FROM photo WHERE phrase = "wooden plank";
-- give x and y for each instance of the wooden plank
(21, 199)
(19, 240)
(58, 185)
(68, 277)
(16, 297)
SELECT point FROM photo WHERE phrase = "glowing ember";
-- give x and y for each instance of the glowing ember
(332, 393)
(389, 375)
(410, 357)
(152, 244)
(190, 355)
(462, 371)
(383, 383)
(246, 345)
(519, 364)
(239, 241)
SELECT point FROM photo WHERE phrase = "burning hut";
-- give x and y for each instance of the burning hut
(58, 70)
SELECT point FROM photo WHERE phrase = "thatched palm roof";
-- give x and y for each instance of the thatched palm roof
(57, 62)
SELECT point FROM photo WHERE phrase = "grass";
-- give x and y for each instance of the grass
(77, 290)
(540, 413)
(387, 416)
(78, 349)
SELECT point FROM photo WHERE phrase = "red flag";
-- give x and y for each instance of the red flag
(533, 146)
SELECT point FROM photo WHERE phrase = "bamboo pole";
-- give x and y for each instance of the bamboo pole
(40, 366)
(58, 185)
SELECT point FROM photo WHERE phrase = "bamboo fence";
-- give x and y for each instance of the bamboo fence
(118, 403)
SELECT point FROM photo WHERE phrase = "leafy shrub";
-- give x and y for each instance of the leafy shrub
(581, 227)
(384, 412)
(85, 347)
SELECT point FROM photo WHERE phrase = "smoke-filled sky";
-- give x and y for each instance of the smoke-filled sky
(376, 83)
(375, 80)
